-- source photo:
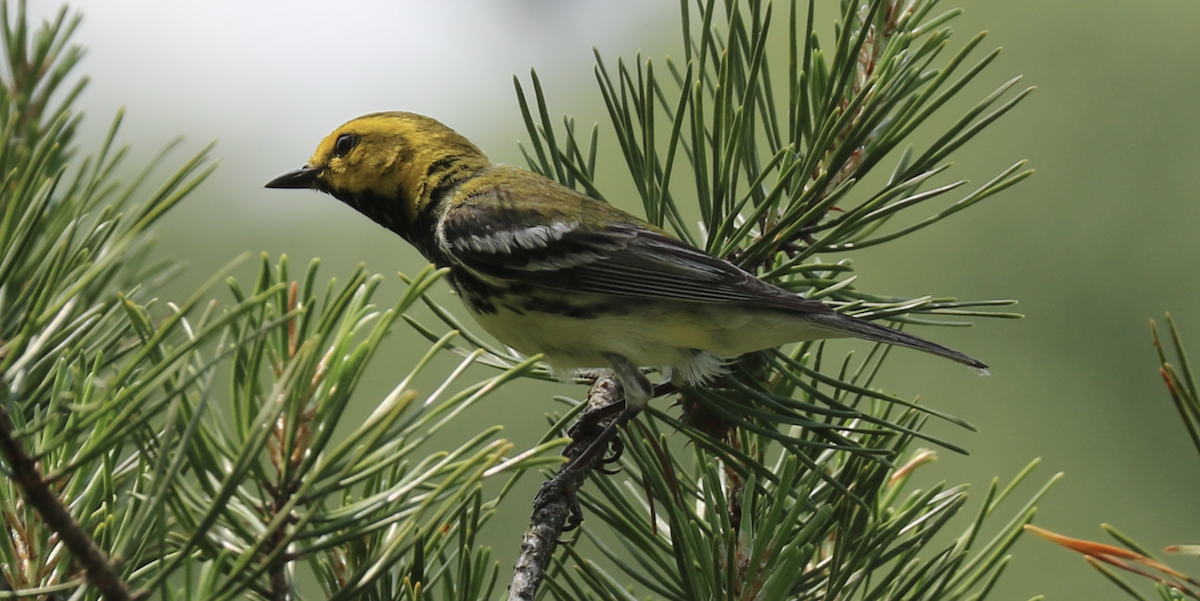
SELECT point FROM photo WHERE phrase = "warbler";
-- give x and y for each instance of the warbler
(546, 269)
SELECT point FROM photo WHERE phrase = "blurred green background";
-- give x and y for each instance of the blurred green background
(1096, 243)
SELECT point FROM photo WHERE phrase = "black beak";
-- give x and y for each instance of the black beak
(303, 177)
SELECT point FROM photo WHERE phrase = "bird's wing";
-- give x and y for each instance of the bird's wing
(610, 255)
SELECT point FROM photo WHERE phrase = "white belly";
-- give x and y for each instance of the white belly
(692, 338)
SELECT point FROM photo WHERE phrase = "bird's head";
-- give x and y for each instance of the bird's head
(387, 165)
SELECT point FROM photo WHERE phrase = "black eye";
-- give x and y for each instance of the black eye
(344, 144)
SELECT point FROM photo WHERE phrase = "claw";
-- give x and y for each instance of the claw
(618, 449)
(552, 490)
(591, 419)
(575, 517)
(562, 486)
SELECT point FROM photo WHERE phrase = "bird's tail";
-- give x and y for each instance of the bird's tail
(861, 328)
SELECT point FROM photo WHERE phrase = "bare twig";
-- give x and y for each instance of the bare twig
(280, 585)
(556, 503)
(101, 573)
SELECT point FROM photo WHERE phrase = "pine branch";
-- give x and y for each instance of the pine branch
(793, 484)
(772, 191)
(555, 508)
(101, 571)
(1130, 556)
(118, 431)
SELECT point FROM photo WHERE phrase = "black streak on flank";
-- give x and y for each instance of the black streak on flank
(561, 306)
(477, 295)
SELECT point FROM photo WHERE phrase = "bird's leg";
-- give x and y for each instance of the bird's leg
(638, 393)
(638, 390)
(564, 484)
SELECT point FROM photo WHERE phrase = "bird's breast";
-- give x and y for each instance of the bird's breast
(575, 330)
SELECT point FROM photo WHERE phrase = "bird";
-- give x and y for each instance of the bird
(548, 270)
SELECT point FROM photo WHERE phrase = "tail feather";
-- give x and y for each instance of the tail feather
(861, 328)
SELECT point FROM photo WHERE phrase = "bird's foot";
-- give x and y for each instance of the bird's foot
(618, 448)
(563, 486)
(594, 437)
(559, 488)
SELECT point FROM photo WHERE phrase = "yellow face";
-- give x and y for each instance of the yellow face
(390, 156)
(369, 154)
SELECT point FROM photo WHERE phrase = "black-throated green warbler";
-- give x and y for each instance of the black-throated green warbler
(548, 270)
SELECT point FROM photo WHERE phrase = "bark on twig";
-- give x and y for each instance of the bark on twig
(277, 574)
(101, 573)
(553, 506)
